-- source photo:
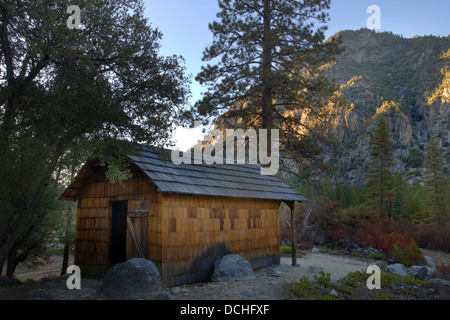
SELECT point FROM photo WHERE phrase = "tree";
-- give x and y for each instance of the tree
(434, 180)
(399, 189)
(267, 55)
(379, 175)
(99, 91)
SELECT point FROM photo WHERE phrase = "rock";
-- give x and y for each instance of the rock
(232, 267)
(248, 293)
(134, 279)
(315, 268)
(351, 261)
(333, 293)
(271, 272)
(7, 282)
(397, 268)
(431, 272)
(354, 247)
(320, 240)
(418, 272)
(175, 290)
(164, 296)
(440, 283)
(373, 250)
(315, 250)
(429, 261)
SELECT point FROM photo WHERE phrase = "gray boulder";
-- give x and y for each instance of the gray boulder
(354, 247)
(271, 272)
(440, 283)
(315, 268)
(397, 268)
(429, 261)
(373, 251)
(137, 278)
(7, 282)
(232, 267)
(419, 272)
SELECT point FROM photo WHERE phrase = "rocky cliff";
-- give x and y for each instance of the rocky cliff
(407, 80)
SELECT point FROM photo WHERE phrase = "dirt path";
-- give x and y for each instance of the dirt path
(266, 287)
(263, 287)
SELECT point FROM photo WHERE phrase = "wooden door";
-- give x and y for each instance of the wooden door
(137, 231)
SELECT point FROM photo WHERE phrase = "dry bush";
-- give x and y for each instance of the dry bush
(443, 271)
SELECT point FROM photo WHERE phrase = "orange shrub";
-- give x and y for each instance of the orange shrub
(443, 271)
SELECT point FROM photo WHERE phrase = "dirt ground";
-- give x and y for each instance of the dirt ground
(45, 284)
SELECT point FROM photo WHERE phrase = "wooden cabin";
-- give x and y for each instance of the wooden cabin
(181, 217)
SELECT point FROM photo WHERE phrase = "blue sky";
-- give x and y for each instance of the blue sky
(184, 24)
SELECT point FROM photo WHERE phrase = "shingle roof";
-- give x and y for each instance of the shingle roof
(221, 180)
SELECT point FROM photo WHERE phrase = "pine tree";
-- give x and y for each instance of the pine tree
(267, 55)
(379, 176)
(434, 180)
(399, 192)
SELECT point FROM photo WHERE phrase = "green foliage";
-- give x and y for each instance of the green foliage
(306, 288)
(379, 175)
(323, 279)
(69, 94)
(266, 73)
(409, 256)
(376, 256)
(286, 249)
(435, 181)
(415, 159)
(353, 278)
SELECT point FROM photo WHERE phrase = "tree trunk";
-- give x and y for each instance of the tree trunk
(12, 261)
(65, 263)
(266, 76)
(293, 240)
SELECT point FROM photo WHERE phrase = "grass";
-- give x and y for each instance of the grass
(353, 287)
(285, 249)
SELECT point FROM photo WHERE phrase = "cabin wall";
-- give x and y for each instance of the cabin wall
(94, 218)
(197, 231)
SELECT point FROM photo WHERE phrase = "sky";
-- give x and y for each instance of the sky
(184, 25)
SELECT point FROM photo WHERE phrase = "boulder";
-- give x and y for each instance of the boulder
(397, 268)
(373, 251)
(271, 272)
(6, 282)
(440, 283)
(137, 278)
(419, 272)
(232, 267)
(429, 261)
(315, 268)
(353, 247)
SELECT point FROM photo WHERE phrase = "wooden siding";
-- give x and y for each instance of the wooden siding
(183, 235)
(200, 230)
(93, 232)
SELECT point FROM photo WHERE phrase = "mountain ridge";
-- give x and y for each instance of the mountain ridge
(405, 79)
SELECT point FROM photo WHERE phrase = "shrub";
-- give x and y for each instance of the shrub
(285, 249)
(443, 272)
(409, 256)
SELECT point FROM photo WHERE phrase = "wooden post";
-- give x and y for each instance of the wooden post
(291, 205)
